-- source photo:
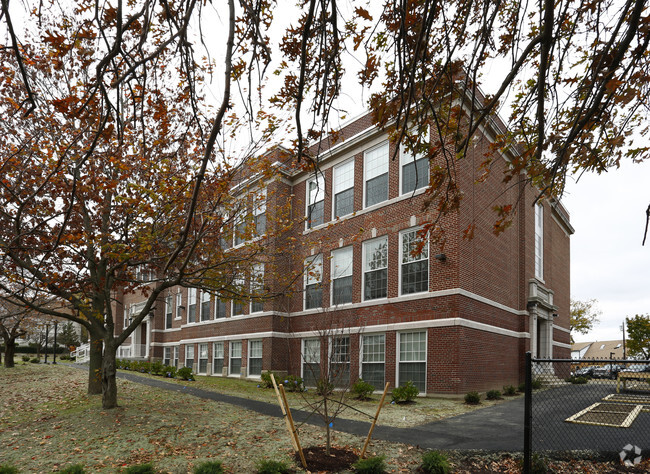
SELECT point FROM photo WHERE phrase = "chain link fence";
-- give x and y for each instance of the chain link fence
(599, 406)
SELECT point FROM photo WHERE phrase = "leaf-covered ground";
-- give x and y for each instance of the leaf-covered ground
(47, 422)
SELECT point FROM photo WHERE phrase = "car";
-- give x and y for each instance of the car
(587, 371)
(636, 368)
(608, 371)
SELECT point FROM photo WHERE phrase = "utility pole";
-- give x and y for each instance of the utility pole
(623, 329)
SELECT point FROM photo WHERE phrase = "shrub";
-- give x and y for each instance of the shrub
(269, 466)
(405, 393)
(266, 379)
(538, 464)
(472, 398)
(140, 469)
(493, 395)
(434, 462)
(64, 357)
(362, 390)
(522, 387)
(185, 373)
(372, 465)
(324, 387)
(26, 358)
(74, 469)
(209, 467)
(292, 383)
(577, 380)
(157, 368)
(35, 360)
(170, 371)
(536, 384)
(510, 390)
(7, 469)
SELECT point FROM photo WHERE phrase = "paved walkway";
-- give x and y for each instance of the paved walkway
(495, 428)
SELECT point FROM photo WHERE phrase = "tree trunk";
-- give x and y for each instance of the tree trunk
(95, 366)
(10, 351)
(109, 383)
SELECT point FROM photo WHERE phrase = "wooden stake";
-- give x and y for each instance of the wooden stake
(284, 412)
(374, 422)
(294, 432)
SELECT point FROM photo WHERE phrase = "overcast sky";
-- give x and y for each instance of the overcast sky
(608, 262)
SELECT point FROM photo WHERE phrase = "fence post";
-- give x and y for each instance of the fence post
(528, 414)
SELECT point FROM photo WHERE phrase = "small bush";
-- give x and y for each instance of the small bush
(185, 373)
(269, 466)
(293, 383)
(64, 357)
(157, 368)
(170, 371)
(521, 388)
(434, 462)
(35, 360)
(472, 398)
(373, 465)
(74, 469)
(536, 384)
(324, 387)
(362, 390)
(25, 358)
(209, 467)
(493, 395)
(577, 380)
(7, 469)
(266, 379)
(140, 469)
(510, 390)
(405, 393)
(538, 464)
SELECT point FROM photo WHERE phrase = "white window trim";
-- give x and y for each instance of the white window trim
(319, 178)
(365, 173)
(401, 250)
(309, 263)
(230, 357)
(426, 356)
(250, 342)
(196, 306)
(363, 267)
(303, 359)
(332, 275)
(193, 354)
(258, 271)
(361, 362)
(178, 303)
(334, 192)
(207, 358)
(405, 159)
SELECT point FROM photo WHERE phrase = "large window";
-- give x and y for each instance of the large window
(167, 356)
(344, 189)
(191, 305)
(255, 358)
(205, 306)
(376, 174)
(313, 282)
(203, 358)
(257, 288)
(237, 305)
(315, 201)
(414, 254)
(342, 276)
(240, 227)
(413, 359)
(415, 167)
(217, 358)
(539, 241)
(189, 356)
(340, 366)
(219, 308)
(176, 356)
(235, 358)
(375, 269)
(373, 357)
(259, 212)
(311, 361)
(169, 311)
(179, 304)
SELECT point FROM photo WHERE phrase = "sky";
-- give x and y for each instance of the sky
(608, 262)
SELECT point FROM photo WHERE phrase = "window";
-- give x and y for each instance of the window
(179, 304)
(342, 276)
(310, 361)
(167, 356)
(539, 241)
(413, 359)
(176, 351)
(217, 358)
(238, 306)
(235, 358)
(169, 312)
(415, 263)
(189, 356)
(257, 287)
(344, 189)
(373, 356)
(313, 282)
(255, 358)
(376, 170)
(219, 308)
(191, 305)
(240, 228)
(375, 269)
(126, 318)
(315, 201)
(414, 167)
(340, 366)
(203, 358)
(205, 306)
(259, 212)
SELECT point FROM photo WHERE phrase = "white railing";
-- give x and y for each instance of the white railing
(132, 351)
(81, 354)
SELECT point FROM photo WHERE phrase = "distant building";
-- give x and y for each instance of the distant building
(598, 350)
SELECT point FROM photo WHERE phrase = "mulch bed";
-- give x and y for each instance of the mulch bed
(318, 460)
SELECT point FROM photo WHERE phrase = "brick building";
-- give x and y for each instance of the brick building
(451, 319)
